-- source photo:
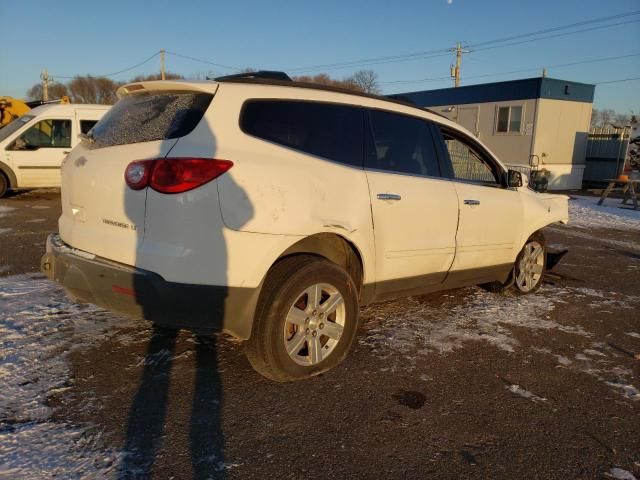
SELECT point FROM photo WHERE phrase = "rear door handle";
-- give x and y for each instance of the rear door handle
(389, 196)
(472, 202)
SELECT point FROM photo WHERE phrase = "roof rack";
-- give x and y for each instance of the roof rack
(261, 74)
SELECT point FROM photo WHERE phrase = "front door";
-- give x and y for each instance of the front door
(490, 214)
(415, 210)
(38, 153)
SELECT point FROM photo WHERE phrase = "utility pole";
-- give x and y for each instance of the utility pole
(162, 64)
(45, 85)
(455, 70)
(544, 72)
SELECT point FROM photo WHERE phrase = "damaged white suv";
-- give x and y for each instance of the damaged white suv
(272, 210)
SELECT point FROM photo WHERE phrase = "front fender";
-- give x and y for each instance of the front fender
(541, 210)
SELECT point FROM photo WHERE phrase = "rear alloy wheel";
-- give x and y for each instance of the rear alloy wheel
(305, 321)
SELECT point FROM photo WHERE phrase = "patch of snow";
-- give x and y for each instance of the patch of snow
(629, 390)
(620, 474)
(35, 220)
(596, 353)
(584, 212)
(5, 211)
(633, 334)
(5, 230)
(39, 326)
(562, 360)
(518, 390)
(40, 207)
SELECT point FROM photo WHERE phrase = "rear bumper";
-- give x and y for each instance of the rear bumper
(144, 294)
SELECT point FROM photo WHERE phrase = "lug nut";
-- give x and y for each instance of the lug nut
(321, 326)
(314, 333)
(307, 332)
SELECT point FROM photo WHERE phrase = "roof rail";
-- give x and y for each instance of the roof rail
(265, 74)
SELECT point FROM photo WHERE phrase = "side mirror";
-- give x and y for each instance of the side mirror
(514, 179)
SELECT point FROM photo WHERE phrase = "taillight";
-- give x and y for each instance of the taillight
(174, 175)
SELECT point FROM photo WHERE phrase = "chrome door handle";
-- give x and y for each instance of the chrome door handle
(472, 202)
(389, 196)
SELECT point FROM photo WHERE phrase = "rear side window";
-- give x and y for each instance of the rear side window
(331, 131)
(149, 116)
(401, 144)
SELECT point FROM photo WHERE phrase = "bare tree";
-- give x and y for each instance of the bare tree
(56, 90)
(90, 89)
(156, 76)
(324, 79)
(367, 80)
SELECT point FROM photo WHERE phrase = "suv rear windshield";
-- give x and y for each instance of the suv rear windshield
(149, 116)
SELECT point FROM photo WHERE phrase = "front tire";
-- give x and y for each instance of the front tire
(528, 269)
(4, 185)
(306, 319)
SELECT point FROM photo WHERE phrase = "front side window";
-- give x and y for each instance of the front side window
(509, 119)
(401, 144)
(45, 134)
(327, 130)
(86, 125)
(468, 164)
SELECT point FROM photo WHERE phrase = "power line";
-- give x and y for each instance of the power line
(119, 71)
(441, 52)
(618, 81)
(226, 67)
(561, 65)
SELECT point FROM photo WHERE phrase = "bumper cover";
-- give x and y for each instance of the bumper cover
(144, 294)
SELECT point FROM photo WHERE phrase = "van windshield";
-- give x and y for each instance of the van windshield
(149, 116)
(14, 126)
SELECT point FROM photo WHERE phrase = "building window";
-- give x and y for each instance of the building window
(509, 119)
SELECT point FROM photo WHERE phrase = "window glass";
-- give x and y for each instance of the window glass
(401, 144)
(326, 130)
(86, 125)
(467, 164)
(149, 116)
(515, 119)
(503, 119)
(45, 134)
(14, 126)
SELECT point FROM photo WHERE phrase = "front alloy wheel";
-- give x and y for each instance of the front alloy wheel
(530, 265)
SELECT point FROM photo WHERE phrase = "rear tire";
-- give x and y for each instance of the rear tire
(4, 185)
(306, 319)
(528, 269)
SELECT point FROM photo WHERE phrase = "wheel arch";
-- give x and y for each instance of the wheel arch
(334, 248)
(8, 172)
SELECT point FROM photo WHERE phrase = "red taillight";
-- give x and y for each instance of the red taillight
(174, 175)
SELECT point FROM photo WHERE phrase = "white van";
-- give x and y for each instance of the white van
(34, 145)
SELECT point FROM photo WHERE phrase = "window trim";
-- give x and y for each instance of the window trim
(478, 149)
(497, 114)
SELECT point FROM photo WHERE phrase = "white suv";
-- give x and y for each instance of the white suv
(271, 210)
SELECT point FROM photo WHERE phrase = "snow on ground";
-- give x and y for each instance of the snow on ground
(584, 212)
(395, 331)
(5, 211)
(518, 390)
(38, 327)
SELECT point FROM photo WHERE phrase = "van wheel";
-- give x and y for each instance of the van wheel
(306, 319)
(4, 185)
(528, 270)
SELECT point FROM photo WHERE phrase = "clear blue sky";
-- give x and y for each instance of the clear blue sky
(80, 37)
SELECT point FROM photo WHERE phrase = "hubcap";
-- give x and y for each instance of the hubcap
(314, 324)
(530, 266)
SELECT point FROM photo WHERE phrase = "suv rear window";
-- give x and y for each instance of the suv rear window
(327, 130)
(149, 116)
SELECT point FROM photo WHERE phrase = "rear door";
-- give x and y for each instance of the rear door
(100, 213)
(490, 223)
(415, 209)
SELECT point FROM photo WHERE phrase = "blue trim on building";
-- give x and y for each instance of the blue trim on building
(528, 88)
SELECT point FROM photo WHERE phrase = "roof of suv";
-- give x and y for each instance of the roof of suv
(57, 108)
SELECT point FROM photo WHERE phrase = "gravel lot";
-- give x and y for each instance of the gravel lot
(459, 384)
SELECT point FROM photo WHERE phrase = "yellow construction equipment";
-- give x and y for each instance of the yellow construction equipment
(12, 108)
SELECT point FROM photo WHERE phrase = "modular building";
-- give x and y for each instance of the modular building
(541, 122)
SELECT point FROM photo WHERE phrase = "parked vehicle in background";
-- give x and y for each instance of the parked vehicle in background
(34, 145)
(273, 210)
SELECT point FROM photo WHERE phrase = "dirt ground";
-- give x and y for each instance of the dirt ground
(459, 384)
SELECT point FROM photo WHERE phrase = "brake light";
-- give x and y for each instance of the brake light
(174, 175)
